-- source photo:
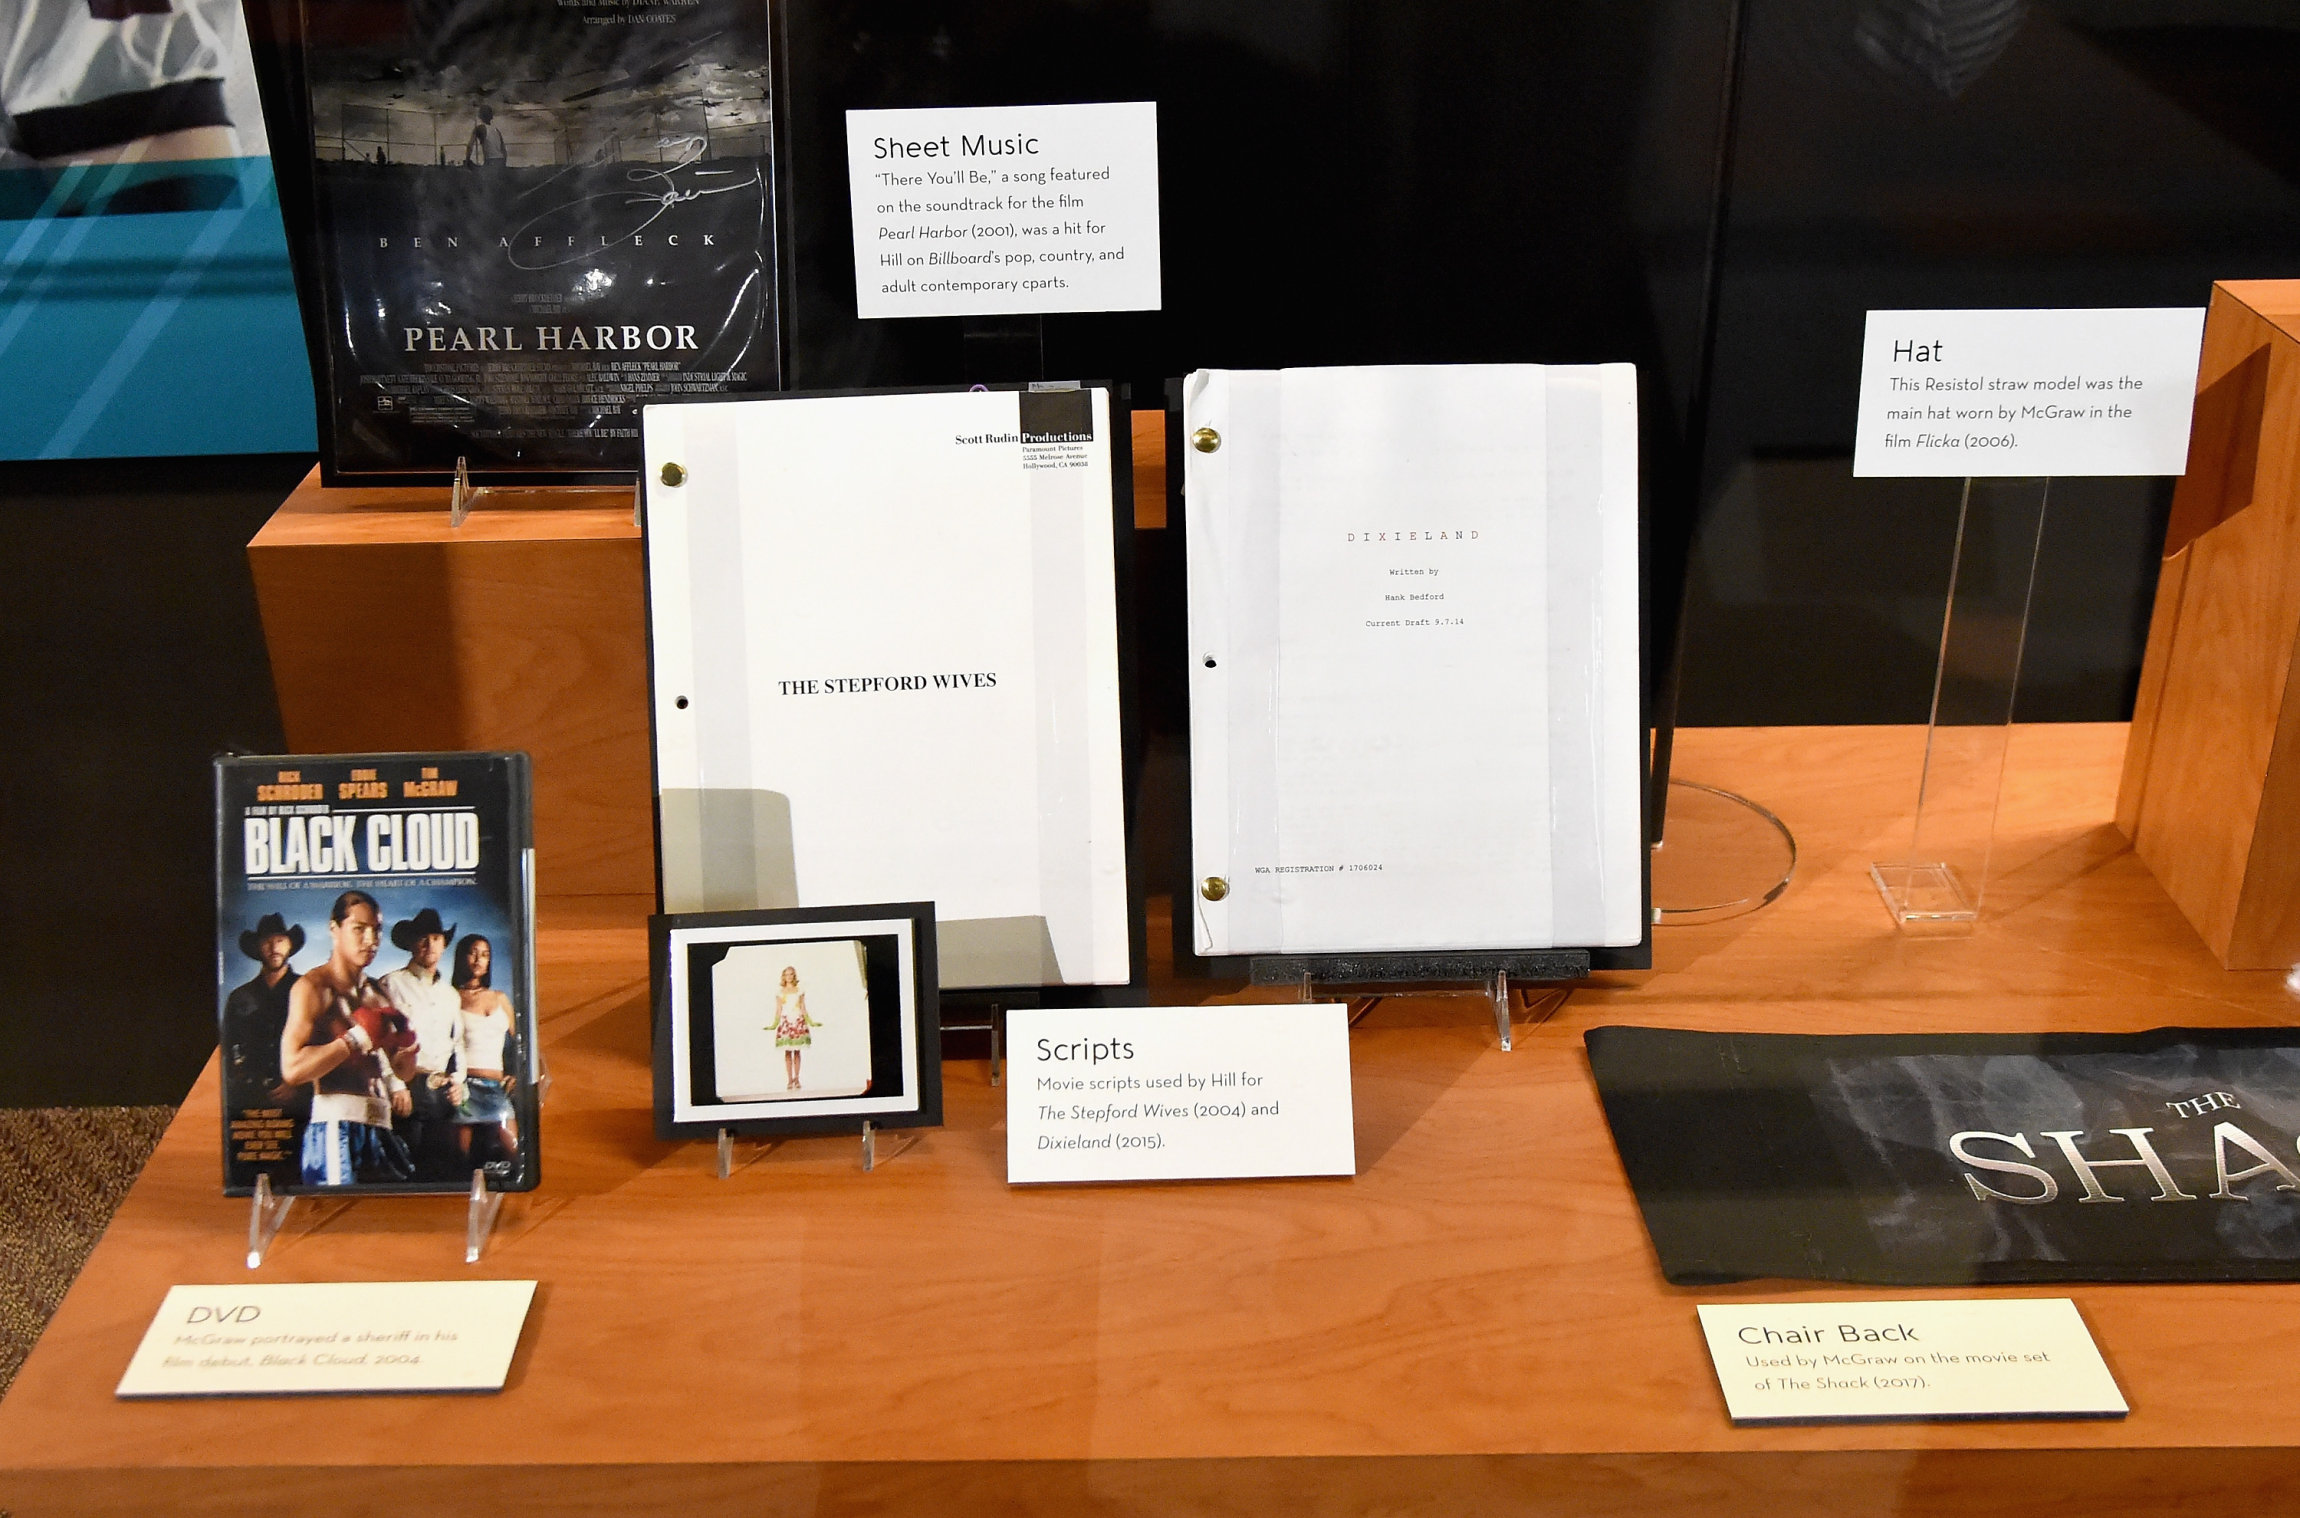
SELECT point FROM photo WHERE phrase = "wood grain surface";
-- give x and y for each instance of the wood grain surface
(525, 628)
(2211, 791)
(1473, 1324)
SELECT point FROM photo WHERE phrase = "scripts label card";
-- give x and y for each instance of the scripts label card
(1178, 1093)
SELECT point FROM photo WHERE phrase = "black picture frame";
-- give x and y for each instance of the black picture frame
(288, 42)
(895, 952)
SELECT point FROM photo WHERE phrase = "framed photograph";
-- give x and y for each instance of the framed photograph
(802, 1020)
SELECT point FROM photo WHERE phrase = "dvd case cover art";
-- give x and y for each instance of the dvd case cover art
(534, 217)
(375, 972)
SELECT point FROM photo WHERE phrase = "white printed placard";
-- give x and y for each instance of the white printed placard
(367, 1336)
(1178, 1093)
(2004, 394)
(1001, 210)
(1825, 1362)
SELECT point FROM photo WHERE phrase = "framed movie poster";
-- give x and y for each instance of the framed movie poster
(376, 973)
(812, 1020)
(521, 220)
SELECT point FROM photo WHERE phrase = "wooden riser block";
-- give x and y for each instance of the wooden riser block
(2211, 789)
(525, 628)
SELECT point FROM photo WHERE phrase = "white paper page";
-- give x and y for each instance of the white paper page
(893, 624)
(1414, 661)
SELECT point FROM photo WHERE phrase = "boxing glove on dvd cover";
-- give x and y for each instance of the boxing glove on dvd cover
(375, 972)
(516, 222)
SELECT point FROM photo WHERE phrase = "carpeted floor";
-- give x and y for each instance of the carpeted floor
(63, 1171)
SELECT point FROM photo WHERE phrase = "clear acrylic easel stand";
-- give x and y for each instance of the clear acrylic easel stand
(268, 1213)
(268, 1210)
(1487, 976)
(463, 496)
(1938, 887)
(873, 1154)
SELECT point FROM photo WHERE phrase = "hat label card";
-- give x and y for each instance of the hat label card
(1178, 1093)
(1825, 1362)
(2027, 394)
(368, 1336)
(1005, 210)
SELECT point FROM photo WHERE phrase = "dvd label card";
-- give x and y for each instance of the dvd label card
(375, 973)
(372, 1336)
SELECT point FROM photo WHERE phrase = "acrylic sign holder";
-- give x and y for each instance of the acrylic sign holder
(268, 1209)
(1938, 887)
(463, 497)
(1488, 975)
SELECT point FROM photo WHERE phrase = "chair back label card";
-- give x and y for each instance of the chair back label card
(1832, 1362)
(1178, 1093)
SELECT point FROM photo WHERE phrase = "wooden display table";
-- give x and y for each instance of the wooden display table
(1474, 1324)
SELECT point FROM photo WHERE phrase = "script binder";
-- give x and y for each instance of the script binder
(1413, 658)
(884, 650)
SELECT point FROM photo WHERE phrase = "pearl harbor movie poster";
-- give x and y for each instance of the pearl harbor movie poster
(533, 217)
(375, 973)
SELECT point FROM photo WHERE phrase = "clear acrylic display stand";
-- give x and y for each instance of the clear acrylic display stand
(872, 1154)
(268, 1213)
(1719, 855)
(463, 496)
(1938, 886)
(268, 1210)
(1488, 975)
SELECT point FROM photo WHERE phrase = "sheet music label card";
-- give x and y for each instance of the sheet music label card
(2006, 394)
(1828, 1362)
(1178, 1093)
(368, 1336)
(1005, 210)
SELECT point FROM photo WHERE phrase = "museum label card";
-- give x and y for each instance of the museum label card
(367, 1336)
(2001, 394)
(1178, 1093)
(998, 210)
(1823, 1362)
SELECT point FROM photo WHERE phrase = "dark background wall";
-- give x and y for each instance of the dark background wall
(132, 655)
(1344, 181)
